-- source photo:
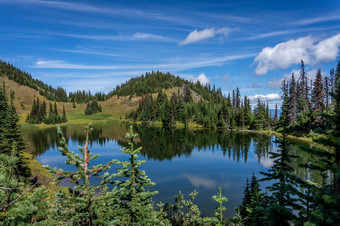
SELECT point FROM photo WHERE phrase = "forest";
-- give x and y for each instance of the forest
(288, 200)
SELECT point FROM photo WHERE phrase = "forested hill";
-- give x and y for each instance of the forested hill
(24, 78)
(153, 82)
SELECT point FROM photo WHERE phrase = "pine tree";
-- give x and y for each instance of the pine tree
(281, 201)
(64, 119)
(302, 92)
(285, 103)
(254, 208)
(292, 105)
(135, 198)
(245, 201)
(275, 119)
(187, 94)
(318, 98)
(55, 110)
(220, 209)
(81, 205)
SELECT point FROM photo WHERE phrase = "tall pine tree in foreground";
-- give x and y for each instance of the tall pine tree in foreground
(132, 190)
(80, 206)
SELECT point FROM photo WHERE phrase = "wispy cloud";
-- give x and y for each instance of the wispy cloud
(196, 36)
(138, 36)
(289, 31)
(180, 65)
(291, 52)
(313, 20)
(99, 9)
(88, 52)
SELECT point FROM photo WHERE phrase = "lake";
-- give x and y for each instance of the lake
(177, 160)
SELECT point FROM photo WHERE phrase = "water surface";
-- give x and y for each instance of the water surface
(177, 160)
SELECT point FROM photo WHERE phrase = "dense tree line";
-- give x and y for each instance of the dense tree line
(39, 114)
(306, 99)
(84, 97)
(221, 112)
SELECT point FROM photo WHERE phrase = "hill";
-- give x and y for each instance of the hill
(118, 103)
(152, 97)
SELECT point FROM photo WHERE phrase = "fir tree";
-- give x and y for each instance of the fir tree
(187, 94)
(64, 119)
(245, 201)
(81, 205)
(292, 105)
(302, 92)
(135, 197)
(281, 201)
(318, 98)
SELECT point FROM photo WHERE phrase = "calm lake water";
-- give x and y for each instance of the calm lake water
(177, 160)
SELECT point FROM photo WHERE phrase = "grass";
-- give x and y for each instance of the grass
(73, 119)
(79, 118)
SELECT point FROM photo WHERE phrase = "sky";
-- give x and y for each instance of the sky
(96, 45)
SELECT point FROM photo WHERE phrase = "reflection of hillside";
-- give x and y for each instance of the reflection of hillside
(45, 139)
(158, 143)
(163, 144)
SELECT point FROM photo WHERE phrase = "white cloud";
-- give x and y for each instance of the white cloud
(328, 49)
(291, 52)
(268, 97)
(202, 78)
(196, 35)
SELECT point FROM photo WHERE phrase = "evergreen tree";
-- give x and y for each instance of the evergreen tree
(64, 119)
(318, 98)
(275, 119)
(292, 105)
(302, 92)
(81, 205)
(245, 201)
(259, 115)
(281, 201)
(92, 108)
(135, 198)
(220, 209)
(254, 208)
(187, 94)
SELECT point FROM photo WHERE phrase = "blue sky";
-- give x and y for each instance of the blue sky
(99, 44)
